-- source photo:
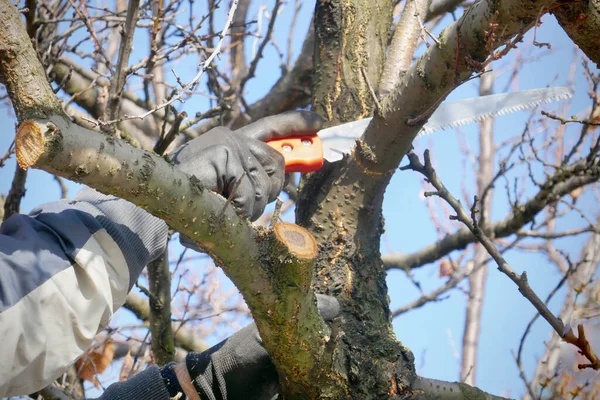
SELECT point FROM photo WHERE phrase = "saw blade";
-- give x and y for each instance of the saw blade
(340, 139)
(459, 113)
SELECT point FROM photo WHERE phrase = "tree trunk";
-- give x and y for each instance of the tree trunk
(351, 39)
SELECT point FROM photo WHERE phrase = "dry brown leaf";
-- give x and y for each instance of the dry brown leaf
(446, 268)
(95, 362)
(126, 367)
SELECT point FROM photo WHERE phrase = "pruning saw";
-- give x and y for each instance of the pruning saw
(307, 153)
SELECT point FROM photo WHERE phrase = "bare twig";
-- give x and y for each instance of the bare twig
(12, 204)
(263, 44)
(276, 211)
(164, 141)
(563, 121)
(519, 279)
(371, 90)
(117, 81)
(9, 152)
(192, 84)
(62, 186)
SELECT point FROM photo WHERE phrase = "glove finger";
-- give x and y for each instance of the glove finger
(262, 187)
(273, 164)
(243, 198)
(283, 125)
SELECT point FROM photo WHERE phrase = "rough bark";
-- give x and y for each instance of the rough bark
(341, 204)
(351, 38)
(581, 21)
(12, 203)
(159, 278)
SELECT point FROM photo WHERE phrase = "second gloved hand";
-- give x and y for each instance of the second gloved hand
(220, 157)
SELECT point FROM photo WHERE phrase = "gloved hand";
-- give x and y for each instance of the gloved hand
(220, 157)
(240, 367)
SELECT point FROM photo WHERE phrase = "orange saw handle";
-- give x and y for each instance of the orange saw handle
(302, 153)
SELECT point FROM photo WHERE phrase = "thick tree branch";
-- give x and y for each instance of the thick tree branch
(404, 44)
(581, 21)
(443, 67)
(427, 388)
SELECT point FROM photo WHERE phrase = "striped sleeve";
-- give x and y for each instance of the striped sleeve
(64, 270)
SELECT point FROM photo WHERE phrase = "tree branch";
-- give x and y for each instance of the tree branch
(427, 388)
(159, 278)
(404, 44)
(463, 48)
(12, 203)
(272, 269)
(581, 21)
(561, 183)
(520, 280)
(117, 81)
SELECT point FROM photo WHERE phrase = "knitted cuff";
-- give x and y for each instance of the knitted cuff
(170, 379)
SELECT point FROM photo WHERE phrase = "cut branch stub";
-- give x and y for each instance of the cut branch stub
(29, 144)
(298, 240)
(300, 248)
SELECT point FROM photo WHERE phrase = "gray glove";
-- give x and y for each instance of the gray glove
(220, 157)
(240, 367)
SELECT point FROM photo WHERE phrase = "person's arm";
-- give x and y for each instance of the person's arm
(64, 270)
(237, 368)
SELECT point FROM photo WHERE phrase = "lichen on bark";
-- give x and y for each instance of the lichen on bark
(345, 219)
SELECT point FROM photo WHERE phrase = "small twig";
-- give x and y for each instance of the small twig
(276, 211)
(371, 90)
(9, 152)
(62, 186)
(118, 79)
(235, 187)
(259, 53)
(585, 349)
(164, 141)
(563, 121)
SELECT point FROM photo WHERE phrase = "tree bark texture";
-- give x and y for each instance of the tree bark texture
(159, 278)
(581, 21)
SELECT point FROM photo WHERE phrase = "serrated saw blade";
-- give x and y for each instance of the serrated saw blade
(338, 140)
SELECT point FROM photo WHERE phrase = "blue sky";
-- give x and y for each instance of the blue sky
(430, 330)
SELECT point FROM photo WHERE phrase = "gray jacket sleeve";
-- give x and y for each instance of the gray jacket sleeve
(64, 270)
